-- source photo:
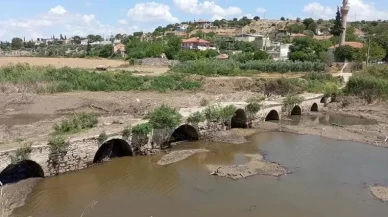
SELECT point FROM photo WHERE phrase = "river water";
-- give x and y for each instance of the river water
(328, 180)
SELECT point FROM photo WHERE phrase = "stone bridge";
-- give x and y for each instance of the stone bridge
(84, 150)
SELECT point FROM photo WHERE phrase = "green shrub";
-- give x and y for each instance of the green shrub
(196, 117)
(212, 113)
(142, 129)
(227, 113)
(22, 153)
(290, 101)
(102, 138)
(76, 123)
(58, 144)
(126, 133)
(164, 117)
(232, 67)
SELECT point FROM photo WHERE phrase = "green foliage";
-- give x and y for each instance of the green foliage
(22, 153)
(76, 123)
(232, 67)
(126, 132)
(173, 47)
(291, 100)
(337, 29)
(17, 43)
(187, 54)
(102, 138)
(307, 48)
(227, 112)
(376, 53)
(196, 118)
(142, 129)
(58, 145)
(164, 117)
(212, 113)
(296, 28)
(370, 84)
(261, 55)
(254, 106)
(70, 79)
(345, 53)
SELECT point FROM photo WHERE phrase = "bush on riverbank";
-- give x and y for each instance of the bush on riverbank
(22, 153)
(164, 117)
(58, 145)
(370, 84)
(52, 80)
(76, 123)
(233, 68)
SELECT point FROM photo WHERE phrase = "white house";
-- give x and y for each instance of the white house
(260, 40)
(84, 41)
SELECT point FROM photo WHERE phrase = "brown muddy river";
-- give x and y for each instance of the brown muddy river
(328, 180)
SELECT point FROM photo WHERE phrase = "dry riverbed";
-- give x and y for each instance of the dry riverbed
(256, 166)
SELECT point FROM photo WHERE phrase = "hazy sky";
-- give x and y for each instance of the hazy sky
(43, 18)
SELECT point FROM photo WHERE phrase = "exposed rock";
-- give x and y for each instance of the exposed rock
(257, 165)
(176, 156)
(226, 136)
(379, 192)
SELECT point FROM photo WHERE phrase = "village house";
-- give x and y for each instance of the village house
(119, 49)
(196, 43)
(182, 28)
(203, 24)
(261, 41)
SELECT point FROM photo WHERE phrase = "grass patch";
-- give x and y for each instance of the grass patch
(126, 133)
(53, 80)
(233, 68)
(58, 145)
(196, 117)
(22, 153)
(102, 138)
(76, 123)
(142, 129)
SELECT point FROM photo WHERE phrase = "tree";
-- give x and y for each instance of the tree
(376, 53)
(261, 55)
(282, 19)
(119, 36)
(308, 21)
(313, 27)
(88, 48)
(77, 39)
(256, 18)
(105, 51)
(29, 44)
(17, 43)
(138, 34)
(319, 21)
(344, 53)
(337, 29)
(173, 47)
(296, 28)
(298, 20)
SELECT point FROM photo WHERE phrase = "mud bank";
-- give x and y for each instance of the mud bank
(256, 166)
(379, 192)
(229, 136)
(176, 156)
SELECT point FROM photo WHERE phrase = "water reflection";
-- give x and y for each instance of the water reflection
(327, 119)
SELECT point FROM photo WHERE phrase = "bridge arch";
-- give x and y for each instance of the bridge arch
(323, 99)
(314, 107)
(239, 120)
(185, 132)
(273, 115)
(296, 110)
(112, 149)
(24, 169)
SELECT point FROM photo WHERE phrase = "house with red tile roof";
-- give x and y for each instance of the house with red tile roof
(195, 43)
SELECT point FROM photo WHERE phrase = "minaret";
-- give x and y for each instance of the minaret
(344, 17)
